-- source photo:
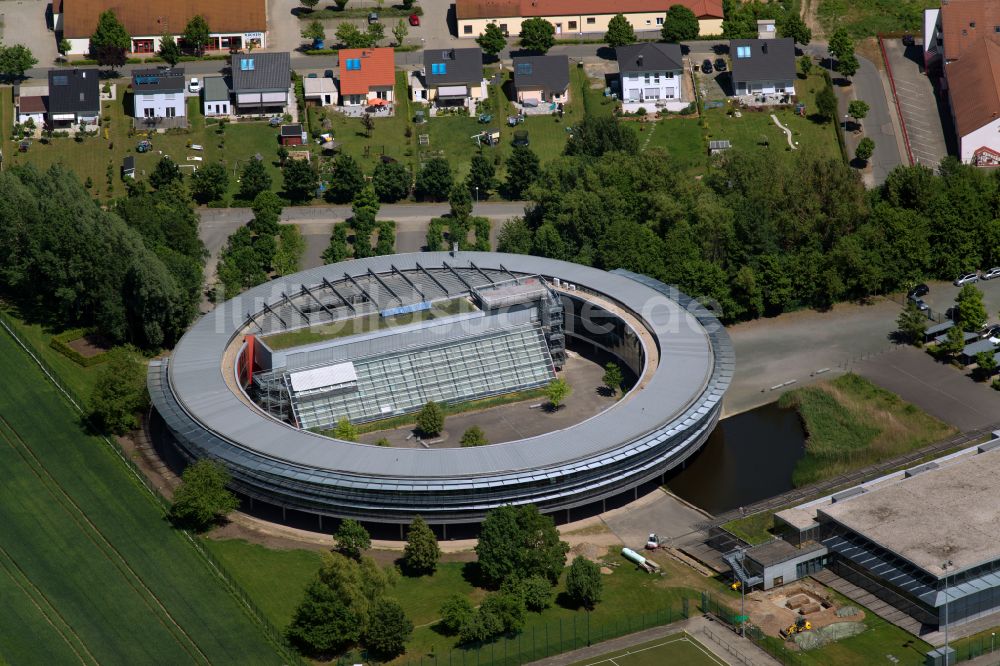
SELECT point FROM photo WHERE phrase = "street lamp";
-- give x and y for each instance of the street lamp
(993, 641)
(477, 194)
(947, 656)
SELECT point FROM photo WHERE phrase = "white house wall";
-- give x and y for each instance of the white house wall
(636, 89)
(987, 135)
(81, 46)
(582, 24)
(159, 103)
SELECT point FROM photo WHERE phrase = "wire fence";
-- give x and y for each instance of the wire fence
(78, 403)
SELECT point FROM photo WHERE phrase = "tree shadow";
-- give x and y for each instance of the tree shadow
(564, 600)
(605, 392)
(606, 53)
(858, 163)
(472, 573)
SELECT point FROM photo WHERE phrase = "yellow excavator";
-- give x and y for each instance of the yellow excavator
(800, 625)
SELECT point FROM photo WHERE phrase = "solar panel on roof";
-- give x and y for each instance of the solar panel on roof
(524, 68)
(60, 80)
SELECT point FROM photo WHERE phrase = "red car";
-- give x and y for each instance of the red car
(414, 19)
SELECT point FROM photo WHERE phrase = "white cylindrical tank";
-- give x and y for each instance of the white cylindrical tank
(633, 556)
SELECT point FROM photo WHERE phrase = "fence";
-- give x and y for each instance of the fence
(895, 97)
(269, 630)
(772, 646)
(972, 648)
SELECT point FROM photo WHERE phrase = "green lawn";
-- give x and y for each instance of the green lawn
(89, 569)
(867, 18)
(753, 529)
(852, 423)
(678, 136)
(675, 649)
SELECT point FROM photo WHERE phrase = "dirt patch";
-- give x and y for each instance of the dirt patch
(591, 551)
(781, 607)
(90, 345)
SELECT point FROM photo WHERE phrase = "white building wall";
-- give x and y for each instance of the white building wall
(931, 29)
(216, 108)
(765, 87)
(661, 85)
(987, 135)
(82, 46)
(159, 103)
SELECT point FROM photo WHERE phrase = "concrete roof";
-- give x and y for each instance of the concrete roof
(684, 335)
(216, 89)
(948, 513)
(778, 551)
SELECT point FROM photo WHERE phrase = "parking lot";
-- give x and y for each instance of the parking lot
(942, 296)
(925, 117)
(24, 22)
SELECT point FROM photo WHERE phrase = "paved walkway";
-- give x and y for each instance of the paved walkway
(921, 110)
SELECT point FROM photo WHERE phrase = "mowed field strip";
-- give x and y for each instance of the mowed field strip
(677, 650)
(90, 572)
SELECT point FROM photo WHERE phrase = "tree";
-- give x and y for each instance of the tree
(309, 4)
(388, 630)
(169, 50)
(196, 34)
(337, 250)
(971, 311)
(858, 110)
(421, 554)
(515, 236)
(374, 34)
(368, 122)
(954, 341)
(523, 169)
(865, 149)
(455, 612)
(430, 419)
(400, 32)
(164, 173)
(460, 203)
(474, 436)
(341, 4)
(826, 104)
(323, 622)
(14, 60)
(987, 365)
(254, 179)
(350, 37)
(848, 65)
(492, 41)
(314, 31)
(291, 247)
(202, 498)
(912, 323)
(597, 135)
(345, 430)
(537, 34)
(620, 32)
(300, 180)
(583, 582)
(482, 176)
(680, 24)
(612, 377)
(120, 394)
(210, 183)
(346, 179)
(110, 41)
(434, 180)
(506, 610)
(792, 25)
(519, 542)
(351, 538)
(805, 65)
(557, 391)
(64, 46)
(537, 593)
(392, 181)
(841, 44)
(268, 205)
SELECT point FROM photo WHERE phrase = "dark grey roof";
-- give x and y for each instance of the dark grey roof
(549, 73)
(158, 80)
(216, 89)
(460, 66)
(255, 72)
(74, 90)
(291, 130)
(770, 60)
(649, 57)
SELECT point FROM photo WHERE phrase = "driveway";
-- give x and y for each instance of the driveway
(925, 116)
(942, 296)
(868, 86)
(283, 29)
(24, 22)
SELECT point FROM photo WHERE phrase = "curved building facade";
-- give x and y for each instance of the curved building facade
(679, 351)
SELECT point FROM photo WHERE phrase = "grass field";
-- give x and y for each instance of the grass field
(676, 649)
(867, 18)
(852, 423)
(89, 570)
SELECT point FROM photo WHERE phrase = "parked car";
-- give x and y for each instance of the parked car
(194, 85)
(373, 17)
(992, 273)
(720, 64)
(990, 332)
(908, 40)
(414, 20)
(706, 66)
(919, 302)
(919, 290)
(968, 278)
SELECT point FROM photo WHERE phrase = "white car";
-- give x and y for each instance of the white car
(968, 278)
(992, 273)
(194, 85)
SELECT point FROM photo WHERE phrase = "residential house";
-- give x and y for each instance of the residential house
(764, 68)
(158, 95)
(233, 24)
(31, 101)
(541, 79)
(367, 76)
(291, 135)
(450, 77)
(579, 17)
(74, 97)
(262, 83)
(216, 93)
(651, 75)
(961, 45)
(320, 89)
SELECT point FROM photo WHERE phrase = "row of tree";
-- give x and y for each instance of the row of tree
(111, 40)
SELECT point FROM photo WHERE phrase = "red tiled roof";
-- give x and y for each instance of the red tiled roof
(145, 18)
(31, 104)
(964, 22)
(474, 9)
(378, 68)
(974, 86)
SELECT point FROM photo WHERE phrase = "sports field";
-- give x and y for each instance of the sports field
(89, 570)
(679, 650)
